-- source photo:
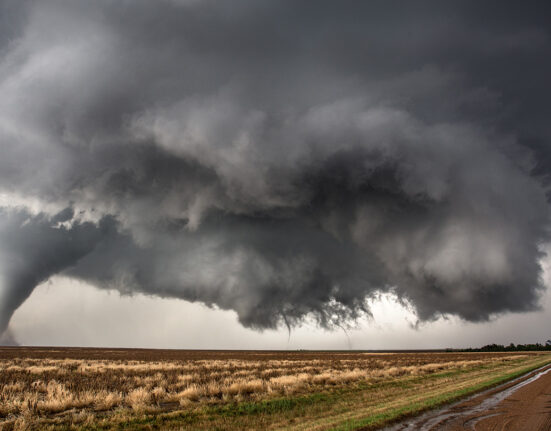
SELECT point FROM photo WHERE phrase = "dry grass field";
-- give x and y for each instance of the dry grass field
(100, 389)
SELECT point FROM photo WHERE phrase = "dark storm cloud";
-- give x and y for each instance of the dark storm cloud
(280, 159)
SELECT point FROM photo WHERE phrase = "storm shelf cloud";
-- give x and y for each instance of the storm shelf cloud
(282, 159)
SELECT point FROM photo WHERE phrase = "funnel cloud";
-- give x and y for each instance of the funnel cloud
(283, 159)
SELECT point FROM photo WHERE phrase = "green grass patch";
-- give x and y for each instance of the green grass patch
(274, 406)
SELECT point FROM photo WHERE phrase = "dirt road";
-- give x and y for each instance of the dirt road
(521, 405)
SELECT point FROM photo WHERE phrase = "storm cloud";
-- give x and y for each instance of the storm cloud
(282, 159)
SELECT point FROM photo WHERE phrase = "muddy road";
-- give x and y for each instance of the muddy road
(523, 404)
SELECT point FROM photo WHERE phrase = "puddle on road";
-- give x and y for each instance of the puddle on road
(429, 420)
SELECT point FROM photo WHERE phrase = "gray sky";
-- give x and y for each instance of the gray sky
(68, 313)
(283, 162)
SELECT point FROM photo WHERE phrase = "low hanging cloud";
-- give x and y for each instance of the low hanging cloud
(280, 159)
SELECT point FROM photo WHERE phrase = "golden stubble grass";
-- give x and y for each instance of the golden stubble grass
(34, 388)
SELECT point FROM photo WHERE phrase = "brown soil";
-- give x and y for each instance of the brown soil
(397, 357)
(526, 409)
(529, 408)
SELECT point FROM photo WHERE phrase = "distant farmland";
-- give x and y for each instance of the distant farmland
(102, 389)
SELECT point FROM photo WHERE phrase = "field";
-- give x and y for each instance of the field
(101, 389)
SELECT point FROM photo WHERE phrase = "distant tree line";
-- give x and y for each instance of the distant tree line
(501, 348)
